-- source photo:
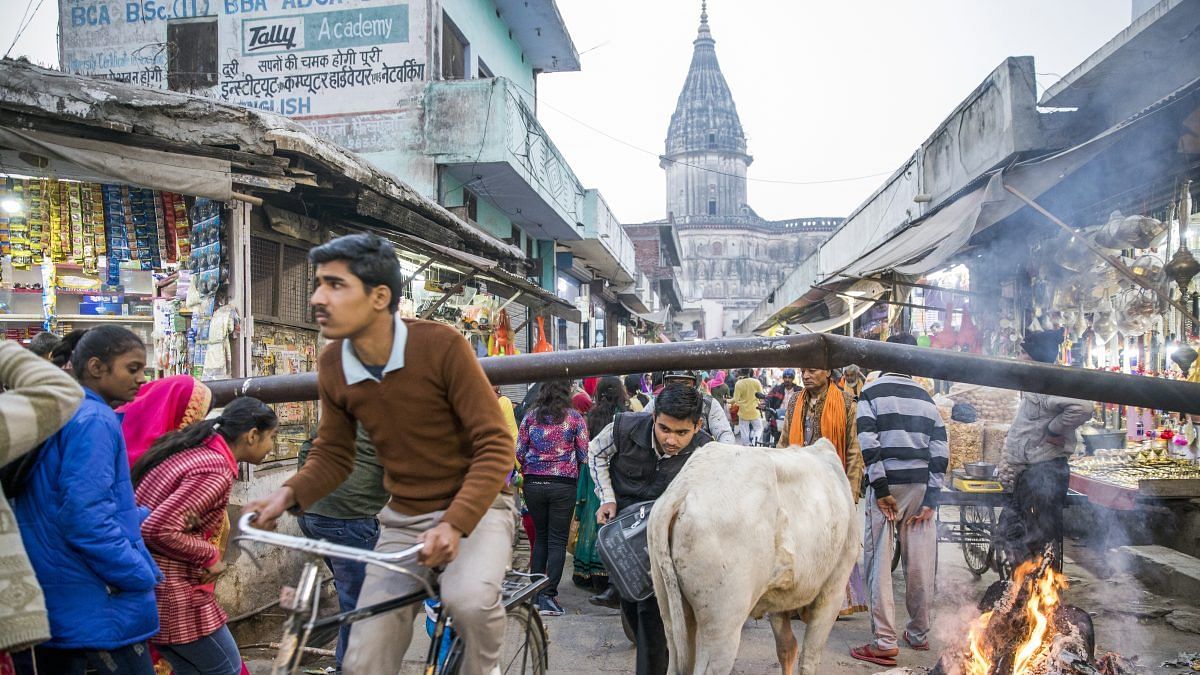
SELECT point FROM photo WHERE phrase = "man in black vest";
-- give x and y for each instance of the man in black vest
(633, 460)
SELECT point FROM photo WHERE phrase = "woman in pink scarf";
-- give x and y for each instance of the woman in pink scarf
(170, 404)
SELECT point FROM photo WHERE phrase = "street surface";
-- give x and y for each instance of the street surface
(589, 639)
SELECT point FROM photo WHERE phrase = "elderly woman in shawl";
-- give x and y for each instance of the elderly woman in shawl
(822, 410)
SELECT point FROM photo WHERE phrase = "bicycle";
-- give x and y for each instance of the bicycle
(525, 639)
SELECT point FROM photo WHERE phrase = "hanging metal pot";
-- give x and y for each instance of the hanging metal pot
(1081, 324)
(1184, 357)
(1072, 255)
(1110, 231)
(1149, 268)
(1182, 268)
(1129, 325)
(1068, 295)
(1140, 231)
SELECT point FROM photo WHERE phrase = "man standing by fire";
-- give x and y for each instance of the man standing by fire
(905, 449)
(1035, 467)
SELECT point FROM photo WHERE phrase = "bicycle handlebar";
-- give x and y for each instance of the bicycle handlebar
(388, 561)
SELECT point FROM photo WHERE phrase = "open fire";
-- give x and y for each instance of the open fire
(1036, 616)
(1029, 630)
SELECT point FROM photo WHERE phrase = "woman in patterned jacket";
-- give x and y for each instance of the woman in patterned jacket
(552, 445)
(185, 478)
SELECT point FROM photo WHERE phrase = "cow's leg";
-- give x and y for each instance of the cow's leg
(822, 614)
(785, 640)
(717, 641)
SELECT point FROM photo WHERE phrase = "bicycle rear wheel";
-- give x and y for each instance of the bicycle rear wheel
(977, 525)
(525, 642)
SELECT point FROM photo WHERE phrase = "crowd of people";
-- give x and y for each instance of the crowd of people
(118, 488)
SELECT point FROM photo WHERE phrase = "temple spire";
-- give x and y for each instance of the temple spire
(706, 155)
(703, 33)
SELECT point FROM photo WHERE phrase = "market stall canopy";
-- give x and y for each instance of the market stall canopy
(932, 241)
(268, 157)
(633, 303)
(929, 243)
(537, 298)
(658, 318)
(855, 301)
(88, 159)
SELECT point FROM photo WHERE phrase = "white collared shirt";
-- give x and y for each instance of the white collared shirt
(356, 372)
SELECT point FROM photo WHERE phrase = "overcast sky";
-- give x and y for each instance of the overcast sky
(825, 90)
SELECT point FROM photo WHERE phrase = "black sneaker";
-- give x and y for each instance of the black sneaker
(548, 606)
(609, 598)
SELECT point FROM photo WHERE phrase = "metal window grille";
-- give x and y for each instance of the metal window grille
(295, 286)
(264, 258)
(280, 282)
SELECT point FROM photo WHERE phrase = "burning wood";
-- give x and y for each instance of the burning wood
(1028, 630)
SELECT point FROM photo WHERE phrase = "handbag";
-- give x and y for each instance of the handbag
(622, 546)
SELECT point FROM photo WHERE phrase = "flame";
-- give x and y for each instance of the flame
(1038, 615)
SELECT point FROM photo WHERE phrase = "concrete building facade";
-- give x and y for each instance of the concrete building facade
(441, 93)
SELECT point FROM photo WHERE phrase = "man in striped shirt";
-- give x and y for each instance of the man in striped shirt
(905, 450)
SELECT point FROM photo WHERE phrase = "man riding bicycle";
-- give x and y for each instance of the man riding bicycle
(419, 393)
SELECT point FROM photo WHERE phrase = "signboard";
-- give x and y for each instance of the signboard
(303, 58)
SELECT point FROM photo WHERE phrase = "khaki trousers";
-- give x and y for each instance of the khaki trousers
(918, 548)
(470, 590)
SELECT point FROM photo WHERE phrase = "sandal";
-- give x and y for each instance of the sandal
(872, 654)
(922, 646)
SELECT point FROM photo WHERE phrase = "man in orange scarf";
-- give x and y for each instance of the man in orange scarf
(822, 410)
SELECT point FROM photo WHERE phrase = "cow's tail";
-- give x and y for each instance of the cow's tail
(666, 583)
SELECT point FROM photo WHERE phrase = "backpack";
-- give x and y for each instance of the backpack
(14, 476)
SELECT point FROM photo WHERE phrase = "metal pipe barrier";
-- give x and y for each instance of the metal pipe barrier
(796, 351)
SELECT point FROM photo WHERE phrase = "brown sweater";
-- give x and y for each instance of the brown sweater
(435, 424)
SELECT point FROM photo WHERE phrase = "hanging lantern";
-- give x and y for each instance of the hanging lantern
(1183, 266)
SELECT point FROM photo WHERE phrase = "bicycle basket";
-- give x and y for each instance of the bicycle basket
(622, 547)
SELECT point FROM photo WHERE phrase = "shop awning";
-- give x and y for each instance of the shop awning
(88, 159)
(932, 241)
(633, 303)
(658, 318)
(534, 297)
(857, 300)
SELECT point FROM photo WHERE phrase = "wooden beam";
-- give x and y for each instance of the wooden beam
(446, 296)
(374, 205)
(264, 182)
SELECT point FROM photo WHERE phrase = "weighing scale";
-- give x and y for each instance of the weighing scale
(964, 483)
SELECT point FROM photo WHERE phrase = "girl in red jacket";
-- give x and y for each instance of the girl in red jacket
(185, 478)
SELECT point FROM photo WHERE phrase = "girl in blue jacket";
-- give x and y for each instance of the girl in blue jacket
(82, 528)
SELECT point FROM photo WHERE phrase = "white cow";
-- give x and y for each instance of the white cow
(744, 531)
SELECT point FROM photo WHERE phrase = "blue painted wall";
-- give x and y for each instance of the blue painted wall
(488, 37)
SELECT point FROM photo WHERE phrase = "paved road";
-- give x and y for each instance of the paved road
(590, 639)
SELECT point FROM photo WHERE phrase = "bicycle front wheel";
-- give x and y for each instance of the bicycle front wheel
(525, 643)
